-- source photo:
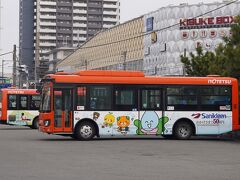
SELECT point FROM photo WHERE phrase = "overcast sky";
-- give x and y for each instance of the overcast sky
(129, 10)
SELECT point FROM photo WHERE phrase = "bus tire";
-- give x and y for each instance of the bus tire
(183, 130)
(35, 124)
(85, 131)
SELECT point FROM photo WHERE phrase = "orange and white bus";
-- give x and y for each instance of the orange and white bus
(20, 107)
(119, 103)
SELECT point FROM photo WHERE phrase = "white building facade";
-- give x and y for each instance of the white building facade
(173, 30)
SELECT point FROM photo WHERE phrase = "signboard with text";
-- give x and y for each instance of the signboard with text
(207, 22)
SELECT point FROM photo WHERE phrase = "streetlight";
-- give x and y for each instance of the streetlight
(3, 61)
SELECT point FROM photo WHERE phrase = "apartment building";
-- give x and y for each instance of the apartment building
(26, 35)
(69, 23)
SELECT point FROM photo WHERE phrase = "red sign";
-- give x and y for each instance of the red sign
(213, 33)
(185, 35)
(210, 22)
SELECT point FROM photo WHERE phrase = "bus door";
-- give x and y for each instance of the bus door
(63, 110)
(150, 117)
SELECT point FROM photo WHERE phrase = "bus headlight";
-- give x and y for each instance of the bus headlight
(46, 123)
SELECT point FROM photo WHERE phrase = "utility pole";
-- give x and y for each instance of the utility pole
(124, 60)
(86, 64)
(14, 65)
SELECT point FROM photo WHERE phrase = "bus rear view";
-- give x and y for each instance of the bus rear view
(20, 107)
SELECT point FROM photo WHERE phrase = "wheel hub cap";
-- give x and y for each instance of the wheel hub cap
(183, 131)
(86, 131)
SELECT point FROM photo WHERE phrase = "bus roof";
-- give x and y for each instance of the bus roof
(133, 77)
(20, 91)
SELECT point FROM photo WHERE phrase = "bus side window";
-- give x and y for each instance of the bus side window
(125, 99)
(35, 102)
(23, 104)
(151, 99)
(12, 102)
(213, 97)
(100, 98)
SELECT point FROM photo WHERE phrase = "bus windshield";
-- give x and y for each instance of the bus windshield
(46, 99)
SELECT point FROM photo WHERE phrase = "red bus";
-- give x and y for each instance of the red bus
(119, 103)
(19, 107)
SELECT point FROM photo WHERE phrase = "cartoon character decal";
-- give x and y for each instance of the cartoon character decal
(96, 116)
(109, 119)
(123, 123)
(21, 117)
(150, 123)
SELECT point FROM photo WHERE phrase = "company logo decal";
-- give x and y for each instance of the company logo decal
(209, 116)
(209, 22)
(196, 116)
(209, 119)
(219, 81)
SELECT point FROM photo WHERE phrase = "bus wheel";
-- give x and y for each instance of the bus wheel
(183, 130)
(85, 131)
(35, 124)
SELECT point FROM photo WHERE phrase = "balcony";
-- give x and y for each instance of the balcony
(67, 11)
(47, 10)
(64, 25)
(95, 5)
(66, 4)
(47, 17)
(64, 31)
(68, 18)
(79, 32)
(79, 18)
(80, 25)
(79, 38)
(94, 19)
(112, 6)
(78, 11)
(47, 37)
(94, 12)
(92, 33)
(77, 4)
(48, 3)
(107, 26)
(110, 12)
(110, 19)
(47, 30)
(47, 23)
(95, 26)
(47, 44)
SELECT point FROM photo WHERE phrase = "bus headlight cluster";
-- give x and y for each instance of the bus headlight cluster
(46, 123)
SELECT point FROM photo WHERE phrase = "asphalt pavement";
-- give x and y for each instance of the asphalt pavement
(27, 154)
